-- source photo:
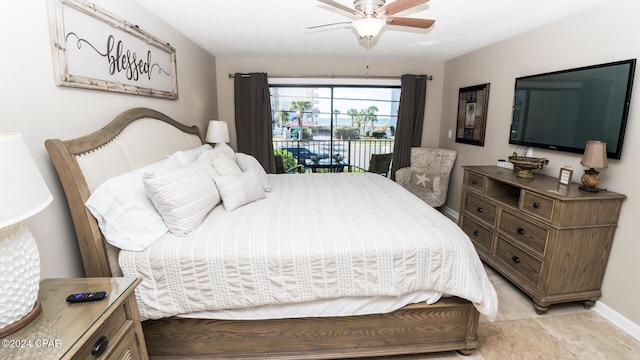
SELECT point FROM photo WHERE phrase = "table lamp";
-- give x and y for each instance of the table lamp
(217, 132)
(23, 193)
(595, 156)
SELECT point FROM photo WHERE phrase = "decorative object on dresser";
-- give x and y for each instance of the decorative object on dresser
(427, 177)
(566, 173)
(23, 193)
(553, 244)
(217, 132)
(107, 329)
(595, 156)
(526, 164)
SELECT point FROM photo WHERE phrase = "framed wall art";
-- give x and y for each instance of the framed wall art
(94, 49)
(472, 114)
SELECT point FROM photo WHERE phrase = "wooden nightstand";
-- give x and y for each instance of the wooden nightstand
(109, 328)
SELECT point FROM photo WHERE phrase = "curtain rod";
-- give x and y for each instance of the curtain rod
(429, 77)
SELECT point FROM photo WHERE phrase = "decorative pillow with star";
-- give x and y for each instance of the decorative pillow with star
(422, 179)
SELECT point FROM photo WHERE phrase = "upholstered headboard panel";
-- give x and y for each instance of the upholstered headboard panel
(142, 142)
(135, 138)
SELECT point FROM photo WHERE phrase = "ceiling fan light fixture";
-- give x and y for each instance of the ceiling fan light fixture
(368, 27)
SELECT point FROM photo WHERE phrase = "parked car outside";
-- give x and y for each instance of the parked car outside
(302, 154)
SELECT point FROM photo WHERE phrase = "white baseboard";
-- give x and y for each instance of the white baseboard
(449, 211)
(603, 310)
(617, 319)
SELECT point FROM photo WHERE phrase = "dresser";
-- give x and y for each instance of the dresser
(105, 329)
(550, 240)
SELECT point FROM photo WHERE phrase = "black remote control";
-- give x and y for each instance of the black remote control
(88, 296)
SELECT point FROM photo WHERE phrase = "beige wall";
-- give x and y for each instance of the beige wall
(600, 35)
(33, 105)
(332, 66)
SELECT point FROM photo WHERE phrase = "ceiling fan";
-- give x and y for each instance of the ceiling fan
(373, 15)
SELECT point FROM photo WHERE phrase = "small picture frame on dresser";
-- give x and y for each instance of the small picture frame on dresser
(565, 176)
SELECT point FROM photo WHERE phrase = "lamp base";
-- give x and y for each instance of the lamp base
(19, 278)
(37, 308)
(590, 180)
(590, 188)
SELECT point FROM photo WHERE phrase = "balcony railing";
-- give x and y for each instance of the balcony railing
(356, 152)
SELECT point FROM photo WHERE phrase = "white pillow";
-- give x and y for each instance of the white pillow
(225, 166)
(183, 197)
(238, 190)
(186, 157)
(126, 217)
(227, 150)
(248, 162)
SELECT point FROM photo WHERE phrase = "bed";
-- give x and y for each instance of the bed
(290, 275)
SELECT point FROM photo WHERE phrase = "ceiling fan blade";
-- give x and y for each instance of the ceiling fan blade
(331, 24)
(398, 5)
(339, 6)
(411, 22)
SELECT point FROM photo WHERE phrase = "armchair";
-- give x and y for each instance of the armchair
(428, 175)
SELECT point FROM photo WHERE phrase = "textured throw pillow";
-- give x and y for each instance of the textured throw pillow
(238, 190)
(183, 197)
(248, 162)
(422, 179)
(225, 166)
(126, 217)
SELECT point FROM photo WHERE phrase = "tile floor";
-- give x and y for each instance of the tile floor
(567, 331)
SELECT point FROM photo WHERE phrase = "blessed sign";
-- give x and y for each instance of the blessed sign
(94, 49)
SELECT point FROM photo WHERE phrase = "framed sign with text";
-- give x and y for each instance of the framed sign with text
(94, 49)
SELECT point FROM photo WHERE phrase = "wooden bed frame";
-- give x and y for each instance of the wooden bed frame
(450, 324)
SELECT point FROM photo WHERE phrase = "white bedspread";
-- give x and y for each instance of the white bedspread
(315, 237)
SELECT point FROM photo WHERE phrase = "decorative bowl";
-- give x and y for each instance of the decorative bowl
(526, 164)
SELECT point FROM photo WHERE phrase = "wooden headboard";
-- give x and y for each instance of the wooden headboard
(136, 137)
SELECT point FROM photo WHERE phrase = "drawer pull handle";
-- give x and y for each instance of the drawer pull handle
(100, 346)
(479, 209)
(474, 182)
(515, 259)
(520, 231)
(476, 233)
(536, 205)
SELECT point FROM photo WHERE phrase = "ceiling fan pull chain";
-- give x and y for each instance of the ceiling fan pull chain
(368, 40)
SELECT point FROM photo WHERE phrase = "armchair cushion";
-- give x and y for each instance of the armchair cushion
(419, 178)
(428, 174)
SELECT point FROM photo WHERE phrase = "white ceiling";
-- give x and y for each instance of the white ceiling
(251, 28)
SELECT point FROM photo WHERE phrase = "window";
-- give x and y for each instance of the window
(346, 122)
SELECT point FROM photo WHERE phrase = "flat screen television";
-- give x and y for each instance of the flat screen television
(562, 110)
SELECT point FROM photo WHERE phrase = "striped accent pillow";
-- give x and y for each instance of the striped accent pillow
(183, 197)
(238, 190)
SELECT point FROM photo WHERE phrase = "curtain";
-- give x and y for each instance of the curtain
(413, 91)
(253, 118)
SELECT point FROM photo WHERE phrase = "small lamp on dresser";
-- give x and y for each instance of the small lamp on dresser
(217, 132)
(595, 157)
(23, 193)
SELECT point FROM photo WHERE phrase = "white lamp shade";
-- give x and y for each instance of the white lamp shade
(217, 132)
(23, 192)
(368, 27)
(595, 155)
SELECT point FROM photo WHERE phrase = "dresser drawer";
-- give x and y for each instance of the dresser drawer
(481, 236)
(524, 265)
(524, 232)
(480, 209)
(474, 181)
(108, 336)
(537, 205)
